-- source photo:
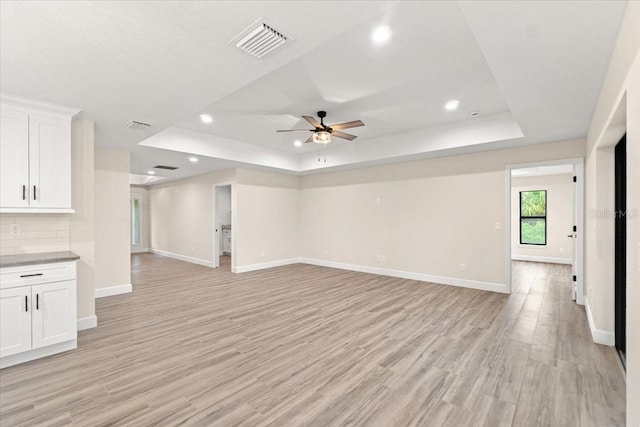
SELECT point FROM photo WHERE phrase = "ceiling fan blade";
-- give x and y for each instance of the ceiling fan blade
(343, 135)
(296, 130)
(310, 139)
(312, 121)
(347, 125)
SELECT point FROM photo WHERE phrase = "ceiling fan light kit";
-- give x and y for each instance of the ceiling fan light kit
(322, 133)
(322, 137)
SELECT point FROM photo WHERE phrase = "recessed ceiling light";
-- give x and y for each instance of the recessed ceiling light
(297, 143)
(151, 172)
(193, 159)
(381, 34)
(452, 105)
(206, 118)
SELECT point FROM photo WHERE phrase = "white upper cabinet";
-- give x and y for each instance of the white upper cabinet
(35, 156)
(14, 157)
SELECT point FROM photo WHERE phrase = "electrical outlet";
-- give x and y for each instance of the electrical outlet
(378, 200)
(261, 253)
(463, 267)
(561, 250)
(326, 251)
(15, 230)
(497, 226)
(381, 258)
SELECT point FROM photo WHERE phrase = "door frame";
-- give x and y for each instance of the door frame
(620, 249)
(578, 206)
(217, 225)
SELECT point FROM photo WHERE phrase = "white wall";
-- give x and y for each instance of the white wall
(224, 210)
(182, 216)
(633, 244)
(113, 243)
(559, 247)
(265, 224)
(621, 88)
(82, 223)
(425, 217)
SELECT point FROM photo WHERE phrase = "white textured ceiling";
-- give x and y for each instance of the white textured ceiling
(532, 69)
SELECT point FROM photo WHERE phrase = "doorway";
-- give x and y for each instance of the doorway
(621, 248)
(545, 217)
(223, 237)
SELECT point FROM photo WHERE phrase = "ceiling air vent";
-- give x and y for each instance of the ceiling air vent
(132, 124)
(260, 38)
(169, 168)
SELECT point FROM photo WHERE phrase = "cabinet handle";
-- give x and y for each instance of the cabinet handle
(34, 192)
(31, 275)
(26, 303)
(24, 192)
(37, 301)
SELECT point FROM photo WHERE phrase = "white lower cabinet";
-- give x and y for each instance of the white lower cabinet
(36, 318)
(226, 241)
(15, 321)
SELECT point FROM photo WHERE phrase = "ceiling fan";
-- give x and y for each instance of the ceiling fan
(322, 133)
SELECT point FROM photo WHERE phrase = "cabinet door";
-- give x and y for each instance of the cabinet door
(49, 162)
(14, 158)
(54, 313)
(15, 320)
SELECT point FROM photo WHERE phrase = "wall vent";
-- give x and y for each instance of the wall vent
(169, 168)
(133, 124)
(260, 38)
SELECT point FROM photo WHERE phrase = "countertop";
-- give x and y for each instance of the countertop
(32, 259)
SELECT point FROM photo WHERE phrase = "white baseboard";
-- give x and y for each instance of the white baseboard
(87, 322)
(37, 353)
(263, 265)
(139, 251)
(113, 290)
(550, 260)
(192, 260)
(452, 281)
(599, 336)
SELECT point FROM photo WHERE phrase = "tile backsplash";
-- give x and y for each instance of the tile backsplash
(33, 233)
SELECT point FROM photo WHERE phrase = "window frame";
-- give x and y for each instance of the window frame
(544, 217)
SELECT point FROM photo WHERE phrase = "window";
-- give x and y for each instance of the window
(135, 222)
(533, 217)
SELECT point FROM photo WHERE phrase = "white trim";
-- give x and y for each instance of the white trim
(113, 290)
(507, 229)
(550, 260)
(87, 322)
(139, 250)
(37, 353)
(37, 210)
(192, 260)
(45, 107)
(263, 265)
(599, 336)
(442, 280)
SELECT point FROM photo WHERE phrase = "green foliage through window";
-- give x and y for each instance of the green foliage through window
(533, 217)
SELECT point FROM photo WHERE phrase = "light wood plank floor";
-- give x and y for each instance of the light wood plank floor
(306, 345)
